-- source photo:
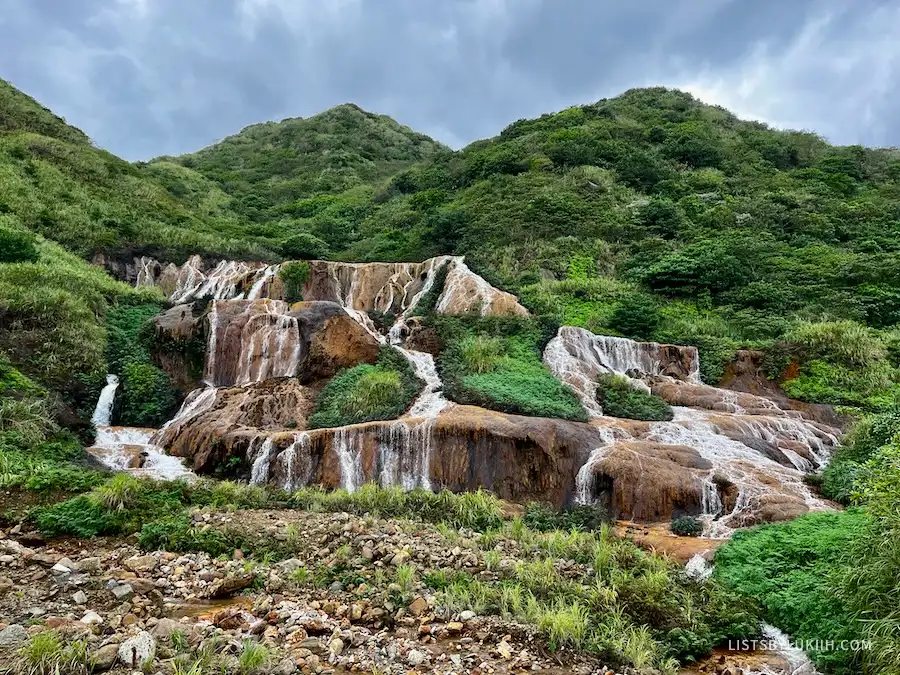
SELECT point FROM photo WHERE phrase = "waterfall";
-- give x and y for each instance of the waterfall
(698, 568)
(196, 403)
(103, 412)
(780, 643)
(431, 401)
(263, 277)
(131, 449)
(296, 463)
(746, 468)
(405, 455)
(585, 480)
(259, 472)
(578, 358)
(349, 447)
(269, 344)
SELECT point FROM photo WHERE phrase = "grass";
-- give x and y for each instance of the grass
(254, 658)
(405, 576)
(366, 393)
(496, 363)
(46, 654)
(793, 570)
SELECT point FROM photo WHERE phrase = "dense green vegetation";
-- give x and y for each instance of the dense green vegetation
(282, 174)
(495, 362)
(835, 574)
(293, 275)
(619, 398)
(366, 393)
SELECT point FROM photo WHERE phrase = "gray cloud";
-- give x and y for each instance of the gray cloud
(151, 77)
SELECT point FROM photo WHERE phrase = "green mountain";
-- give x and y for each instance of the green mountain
(268, 166)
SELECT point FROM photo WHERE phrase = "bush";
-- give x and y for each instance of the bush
(543, 518)
(294, 276)
(17, 246)
(843, 342)
(304, 246)
(687, 526)
(148, 398)
(619, 398)
(366, 393)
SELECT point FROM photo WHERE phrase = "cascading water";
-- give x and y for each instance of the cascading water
(585, 480)
(405, 455)
(103, 411)
(129, 448)
(259, 472)
(773, 640)
(348, 442)
(578, 358)
(733, 461)
(296, 463)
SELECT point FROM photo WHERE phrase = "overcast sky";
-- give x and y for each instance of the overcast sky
(149, 77)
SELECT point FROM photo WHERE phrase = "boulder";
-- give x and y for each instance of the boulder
(137, 651)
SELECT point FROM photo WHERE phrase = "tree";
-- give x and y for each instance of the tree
(304, 246)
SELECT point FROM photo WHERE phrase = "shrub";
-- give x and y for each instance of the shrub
(294, 276)
(17, 246)
(148, 398)
(687, 526)
(542, 517)
(636, 316)
(496, 364)
(846, 342)
(792, 569)
(304, 246)
(366, 393)
(619, 398)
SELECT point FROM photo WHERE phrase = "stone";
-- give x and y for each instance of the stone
(123, 592)
(141, 563)
(336, 646)
(80, 598)
(415, 658)
(229, 585)
(91, 564)
(466, 615)
(44, 559)
(105, 657)
(418, 606)
(504, 650)
(165, 627)
(5, 584)
(12, 636)
(61, 570)
(90, 618)
(137, 651)
(455, 626)
(400, 557)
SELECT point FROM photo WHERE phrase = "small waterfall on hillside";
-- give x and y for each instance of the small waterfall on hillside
(578, 358)
(296, 463)
(733, 461)
(348, 443)
(196, 403)
(431, 401)
(259, 472)
(129, 448)
(773, 640)
(103, 411)
(269, 342)
(263, 277)
(405, 455)
(586, 480)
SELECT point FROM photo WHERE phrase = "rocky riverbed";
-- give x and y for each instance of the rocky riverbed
(164, 611)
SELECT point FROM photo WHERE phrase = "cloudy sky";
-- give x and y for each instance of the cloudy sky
(151, 77)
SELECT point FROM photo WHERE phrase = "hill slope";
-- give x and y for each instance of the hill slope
(268, 165)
